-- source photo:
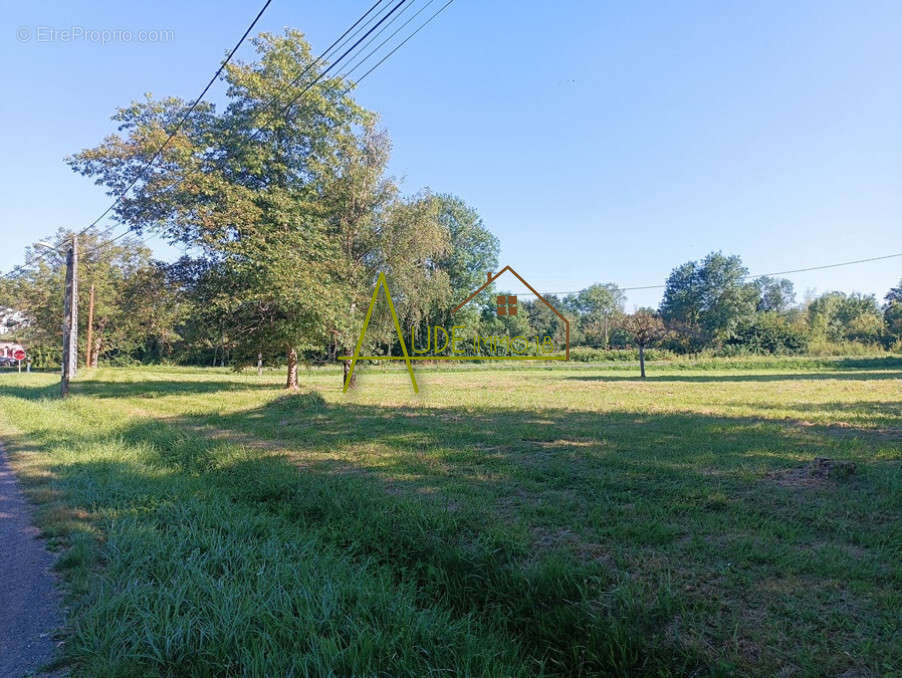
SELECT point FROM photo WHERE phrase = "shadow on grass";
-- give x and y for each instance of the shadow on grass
(137, 389)
(856, 375)
(575, 534)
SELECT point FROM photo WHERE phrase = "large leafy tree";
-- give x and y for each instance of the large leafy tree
(375, 232)
(709, 296)
(287, 201)
(472, 251)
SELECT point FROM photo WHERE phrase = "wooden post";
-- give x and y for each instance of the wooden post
(259, 364)
(90, 328)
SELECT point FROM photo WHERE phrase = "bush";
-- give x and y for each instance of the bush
(585, 354)
(765, 333)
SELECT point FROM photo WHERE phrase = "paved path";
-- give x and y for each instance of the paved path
(29, 605)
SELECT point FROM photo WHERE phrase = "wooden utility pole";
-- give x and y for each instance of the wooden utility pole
(70, 319)
(90, 328)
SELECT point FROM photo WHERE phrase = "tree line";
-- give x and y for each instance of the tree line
(287, 215)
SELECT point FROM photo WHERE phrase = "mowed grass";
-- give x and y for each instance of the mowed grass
(503, 522)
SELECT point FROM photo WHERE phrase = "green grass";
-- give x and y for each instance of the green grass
(568, 520)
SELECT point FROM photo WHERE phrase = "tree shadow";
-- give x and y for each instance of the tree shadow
(739, 377)
(151, 388)
(26, 392)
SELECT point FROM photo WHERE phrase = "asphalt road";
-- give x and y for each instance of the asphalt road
(29, 604)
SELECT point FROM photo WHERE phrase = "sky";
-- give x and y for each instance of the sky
(600, 141)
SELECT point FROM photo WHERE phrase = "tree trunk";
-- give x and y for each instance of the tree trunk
(292, 381)
(642, 360)
(259, 364)
(346, 367)
(95, 350)
(98, 343)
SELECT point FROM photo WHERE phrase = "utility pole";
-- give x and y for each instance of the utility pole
(90, 328)
(70, 318)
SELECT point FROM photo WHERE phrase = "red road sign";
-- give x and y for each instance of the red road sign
(19, 354)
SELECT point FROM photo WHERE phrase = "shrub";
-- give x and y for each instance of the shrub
(766, 333)
(585, 354)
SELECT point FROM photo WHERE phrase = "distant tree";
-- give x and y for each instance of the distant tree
(134, 310)
(892, 313)
(599, 306)
(892, 317)
(710, 296)
(645, 327)
(837, 316)
(543, 322)
(894, 296)
(776, 294)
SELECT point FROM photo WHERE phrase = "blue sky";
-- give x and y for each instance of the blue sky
(600, 141)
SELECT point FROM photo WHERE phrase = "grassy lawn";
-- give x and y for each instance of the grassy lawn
(503, 522)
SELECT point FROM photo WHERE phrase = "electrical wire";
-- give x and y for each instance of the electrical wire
(403, 42)
(325, 72)
(381, 31)
(750, 276)
(338, 43)
(181, 121)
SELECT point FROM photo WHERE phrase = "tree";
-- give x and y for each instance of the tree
(894, 296)
(776, 294)
(378, 232)
(710, 296)
(645, 327)
(473, 249)
(472, 253)
(837, 316)
(134, 310)
(599, 306)
(290, 205)
(892, 312)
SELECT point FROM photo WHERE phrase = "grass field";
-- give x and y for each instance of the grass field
(503, 522)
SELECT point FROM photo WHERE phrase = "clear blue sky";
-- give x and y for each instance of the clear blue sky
(600, 141)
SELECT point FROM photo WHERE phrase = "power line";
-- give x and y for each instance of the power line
(381, 31)
(343, 39)
(403, 42)
(181, 122)
(756, 276)
(168, 138)
(337, 62)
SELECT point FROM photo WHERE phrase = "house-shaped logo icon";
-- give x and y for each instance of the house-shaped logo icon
(507, 304)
